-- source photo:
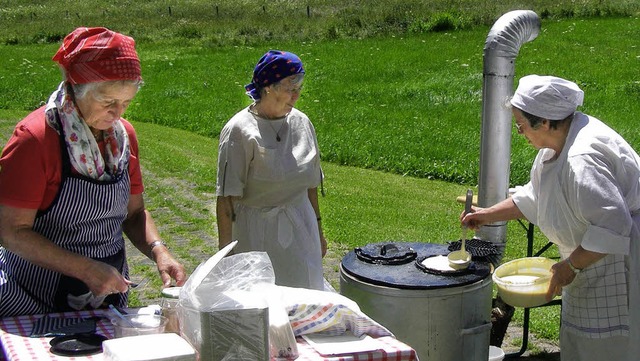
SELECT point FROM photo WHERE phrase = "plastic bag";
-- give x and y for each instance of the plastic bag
(282, 342)
(220, 315)
(206, 287)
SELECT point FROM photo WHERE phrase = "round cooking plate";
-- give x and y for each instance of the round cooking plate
(408, 275)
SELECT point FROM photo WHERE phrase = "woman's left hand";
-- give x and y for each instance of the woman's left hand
(169, 268)
(562, 276)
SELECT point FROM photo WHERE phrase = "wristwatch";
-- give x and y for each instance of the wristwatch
(574, 269)
(157, 243)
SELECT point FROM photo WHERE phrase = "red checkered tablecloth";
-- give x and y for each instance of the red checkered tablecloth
(17, 345)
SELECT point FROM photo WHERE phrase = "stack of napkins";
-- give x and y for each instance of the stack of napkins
(158, 347)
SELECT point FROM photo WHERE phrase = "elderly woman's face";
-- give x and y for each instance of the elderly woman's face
(286, 93)
(535, 136)
(103, 106)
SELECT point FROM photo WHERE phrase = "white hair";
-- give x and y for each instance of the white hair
(82, 90)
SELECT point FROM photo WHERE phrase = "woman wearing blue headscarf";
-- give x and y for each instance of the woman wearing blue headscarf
(268, 174)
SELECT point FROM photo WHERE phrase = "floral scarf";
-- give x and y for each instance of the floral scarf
(62, 115)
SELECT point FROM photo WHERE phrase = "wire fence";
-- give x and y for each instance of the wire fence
(275, 19)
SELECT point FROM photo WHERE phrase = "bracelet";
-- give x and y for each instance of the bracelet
(573, 268)
(154, 244)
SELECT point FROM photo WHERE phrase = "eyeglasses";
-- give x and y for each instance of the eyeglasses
(518, 127)
(290, 89)
(293, 90)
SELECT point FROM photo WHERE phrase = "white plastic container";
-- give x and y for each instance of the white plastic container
(495, 353)
(138, 324)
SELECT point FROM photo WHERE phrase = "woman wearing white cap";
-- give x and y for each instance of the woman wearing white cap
(584, 194)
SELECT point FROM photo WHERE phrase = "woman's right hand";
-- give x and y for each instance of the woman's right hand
(502, 211)
(103, 279)
(474, 219)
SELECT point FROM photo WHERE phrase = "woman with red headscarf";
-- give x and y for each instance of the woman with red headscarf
(268, 174)
(71, 187)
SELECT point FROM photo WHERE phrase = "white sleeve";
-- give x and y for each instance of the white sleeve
(597, 200)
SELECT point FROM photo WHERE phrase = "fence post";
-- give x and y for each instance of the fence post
(169, 10)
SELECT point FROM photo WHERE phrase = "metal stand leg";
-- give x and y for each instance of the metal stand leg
(526, 316)
(525, 337)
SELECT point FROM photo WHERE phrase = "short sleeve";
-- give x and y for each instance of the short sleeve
(233, 163)
(23, 178)
(135, 174)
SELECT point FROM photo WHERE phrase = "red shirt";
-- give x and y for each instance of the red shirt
(31, 164)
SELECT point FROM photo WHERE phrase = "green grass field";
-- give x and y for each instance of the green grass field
(405, 105)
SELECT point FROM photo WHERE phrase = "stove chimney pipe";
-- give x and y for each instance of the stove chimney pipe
(506, 36)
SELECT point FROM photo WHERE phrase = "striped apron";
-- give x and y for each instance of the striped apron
(86, 218)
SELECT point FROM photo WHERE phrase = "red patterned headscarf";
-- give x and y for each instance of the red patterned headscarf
(98, 54)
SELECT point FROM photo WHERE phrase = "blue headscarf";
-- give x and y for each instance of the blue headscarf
(274, 66)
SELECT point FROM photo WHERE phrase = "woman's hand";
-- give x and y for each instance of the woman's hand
(103, 279)
(562, 276)
(323, 245)
(473, 219)
(169, 268)
(502, 211)
(563, 273)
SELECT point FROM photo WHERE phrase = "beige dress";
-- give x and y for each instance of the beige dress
(271, 178)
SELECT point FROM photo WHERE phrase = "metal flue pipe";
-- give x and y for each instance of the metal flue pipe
(506, 36)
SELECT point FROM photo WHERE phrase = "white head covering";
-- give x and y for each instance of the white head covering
(548, 97)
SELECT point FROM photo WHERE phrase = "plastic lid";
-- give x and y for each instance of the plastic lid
(77, 345)
(171, 292)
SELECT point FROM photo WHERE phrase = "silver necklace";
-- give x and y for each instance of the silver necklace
(279, 129)
(270, 121)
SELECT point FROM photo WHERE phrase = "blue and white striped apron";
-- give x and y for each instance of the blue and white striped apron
(86, 218)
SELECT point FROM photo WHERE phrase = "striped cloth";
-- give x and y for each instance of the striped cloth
(330, 313)
(333, 319)
(48, 326)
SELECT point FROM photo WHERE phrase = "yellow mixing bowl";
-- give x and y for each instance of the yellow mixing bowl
(524, 282)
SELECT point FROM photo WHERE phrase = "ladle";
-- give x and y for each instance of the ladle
(461, 259)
